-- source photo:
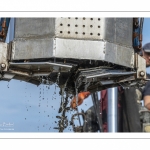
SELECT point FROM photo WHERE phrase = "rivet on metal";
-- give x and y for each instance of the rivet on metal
(3, 65)
(142, 73)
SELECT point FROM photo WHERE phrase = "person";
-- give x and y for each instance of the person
(127, 114)
(146, 91)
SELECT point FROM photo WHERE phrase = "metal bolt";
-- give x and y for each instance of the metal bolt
(142, 73)
(3, 65)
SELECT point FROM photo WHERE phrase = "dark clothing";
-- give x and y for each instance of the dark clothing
(90, 124)
(131, 117)
(146, 90)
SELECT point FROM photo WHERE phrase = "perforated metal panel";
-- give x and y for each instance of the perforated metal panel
(115, 30)
(83, 28)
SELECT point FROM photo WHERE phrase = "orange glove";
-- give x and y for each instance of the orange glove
(81, 97)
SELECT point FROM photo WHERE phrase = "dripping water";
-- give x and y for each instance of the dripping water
(76, 92)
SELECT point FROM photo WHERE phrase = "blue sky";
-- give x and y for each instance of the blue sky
(31, 108)
(146, 30)
(34, 109)
(146, 34)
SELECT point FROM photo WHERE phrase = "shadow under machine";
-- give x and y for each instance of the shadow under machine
(87, 54)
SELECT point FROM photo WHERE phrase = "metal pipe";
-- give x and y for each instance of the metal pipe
(112, 114)
(96, 105)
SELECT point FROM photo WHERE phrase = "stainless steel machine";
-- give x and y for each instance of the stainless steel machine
(94, 52)
(87, 54)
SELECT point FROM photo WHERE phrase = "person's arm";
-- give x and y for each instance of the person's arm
(146, 95)
(81, 97)
(147, 101)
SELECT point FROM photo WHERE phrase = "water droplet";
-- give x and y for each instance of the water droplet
(8, 85)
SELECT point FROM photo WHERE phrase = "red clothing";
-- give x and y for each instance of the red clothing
(103, 108)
